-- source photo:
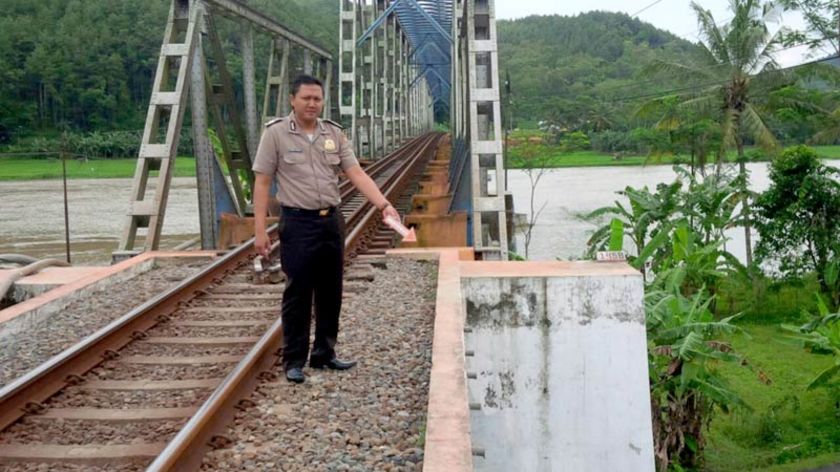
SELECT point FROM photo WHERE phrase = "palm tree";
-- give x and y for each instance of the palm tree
(736, 72)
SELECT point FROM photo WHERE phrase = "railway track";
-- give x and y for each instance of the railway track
(154, 389)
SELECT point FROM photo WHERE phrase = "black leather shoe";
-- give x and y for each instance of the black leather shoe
(333, 364)
(295, 374)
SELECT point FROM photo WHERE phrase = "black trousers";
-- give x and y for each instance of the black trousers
(312, 255)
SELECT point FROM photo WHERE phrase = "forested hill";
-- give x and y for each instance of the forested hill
(88, 65)
(587, 66)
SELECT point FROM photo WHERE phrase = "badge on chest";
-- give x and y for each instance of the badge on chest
(329, 145)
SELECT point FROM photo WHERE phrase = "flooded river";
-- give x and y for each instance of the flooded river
(32, 212)
(32, 217)
(568, 193)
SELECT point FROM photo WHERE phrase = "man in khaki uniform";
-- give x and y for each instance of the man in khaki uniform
(304, 154)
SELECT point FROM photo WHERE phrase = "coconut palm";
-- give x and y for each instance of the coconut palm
(736, 72)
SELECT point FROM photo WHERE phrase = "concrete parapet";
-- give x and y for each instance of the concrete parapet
(553, 357)
(560, 368)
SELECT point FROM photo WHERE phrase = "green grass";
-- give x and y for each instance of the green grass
(803, 433)
(557, 159)
(24, 168)
(765, 301)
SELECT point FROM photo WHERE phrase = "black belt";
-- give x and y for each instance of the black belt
(292, 211)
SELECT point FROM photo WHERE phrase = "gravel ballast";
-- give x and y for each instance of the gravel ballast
(371, 417)
(84, 316)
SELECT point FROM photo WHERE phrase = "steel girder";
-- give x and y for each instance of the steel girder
(427, 24)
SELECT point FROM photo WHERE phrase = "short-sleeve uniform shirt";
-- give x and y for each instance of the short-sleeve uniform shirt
(305, 169)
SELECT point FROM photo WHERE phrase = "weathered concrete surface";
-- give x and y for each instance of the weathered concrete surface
(560, 367)
(554, 356)
(46, 280)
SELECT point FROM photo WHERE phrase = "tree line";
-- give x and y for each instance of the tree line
(88, 65)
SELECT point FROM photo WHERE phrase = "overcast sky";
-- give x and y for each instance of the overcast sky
(675, 16)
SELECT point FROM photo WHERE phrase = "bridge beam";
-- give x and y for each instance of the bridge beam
(479, 71)
(258, 19)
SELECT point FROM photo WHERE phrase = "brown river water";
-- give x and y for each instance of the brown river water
(32, 217)
(32, 212)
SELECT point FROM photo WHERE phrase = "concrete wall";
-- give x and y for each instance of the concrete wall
(560, 369)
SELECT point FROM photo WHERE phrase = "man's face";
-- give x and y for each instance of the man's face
(308, 102)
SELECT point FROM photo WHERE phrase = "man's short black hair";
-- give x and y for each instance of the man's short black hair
(305, 80)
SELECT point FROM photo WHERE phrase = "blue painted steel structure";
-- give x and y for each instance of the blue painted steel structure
(427, 24)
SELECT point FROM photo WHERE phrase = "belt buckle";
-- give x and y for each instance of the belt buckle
(324, 212)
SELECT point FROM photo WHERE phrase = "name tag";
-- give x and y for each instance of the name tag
(294, 150)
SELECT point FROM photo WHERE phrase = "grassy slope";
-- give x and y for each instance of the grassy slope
(792, 439)
(22, 168)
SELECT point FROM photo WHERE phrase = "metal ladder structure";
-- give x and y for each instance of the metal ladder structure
(192, 63)
(379, 90)
(401, 65)
(480, 107)
(166, 115)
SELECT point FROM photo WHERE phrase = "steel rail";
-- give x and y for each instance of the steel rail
(363, 218)
(415, 150)
(55, 374)
(187, 449)
(346, 187)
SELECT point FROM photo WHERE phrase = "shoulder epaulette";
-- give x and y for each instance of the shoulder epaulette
(275, 121)
(333, 123)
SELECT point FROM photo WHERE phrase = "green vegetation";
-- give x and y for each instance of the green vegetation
(735, 412)
(800, 229)
(88, 65)
(22, 168)
(559, 158)
(789, 428)
(580, 72)
(730, 385)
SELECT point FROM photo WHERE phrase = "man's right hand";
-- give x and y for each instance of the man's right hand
(262, 244)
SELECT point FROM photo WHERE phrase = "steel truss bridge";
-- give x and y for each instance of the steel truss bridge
(403, 67)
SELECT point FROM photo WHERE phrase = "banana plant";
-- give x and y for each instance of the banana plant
(643, 218)
(684, 352)
(822, 336)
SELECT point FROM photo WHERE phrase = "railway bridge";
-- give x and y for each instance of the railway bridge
(468, 361)
(403, 68)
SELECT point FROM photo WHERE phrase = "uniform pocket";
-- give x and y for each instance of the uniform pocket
(333, 158)
(294, 158)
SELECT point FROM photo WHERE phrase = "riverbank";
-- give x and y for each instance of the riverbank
(39, 168)
(553, 157)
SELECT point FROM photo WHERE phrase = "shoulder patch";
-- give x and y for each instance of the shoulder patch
(275, 121)
(333, 123)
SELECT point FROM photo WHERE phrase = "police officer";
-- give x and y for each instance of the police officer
(304, 153)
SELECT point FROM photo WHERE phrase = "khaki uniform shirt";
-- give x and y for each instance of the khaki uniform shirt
(306, 171)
